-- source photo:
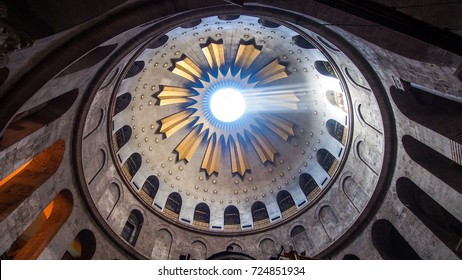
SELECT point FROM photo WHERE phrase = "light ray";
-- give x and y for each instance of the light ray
(237, 135)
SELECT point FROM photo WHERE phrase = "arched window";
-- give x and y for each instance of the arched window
(309, 186)
(132, 165)
(36, 237)
(327, 161)
(369, 155)
(122, 102)
(389, 242)
(149, 189)
(267, 23)
(286, 203)
(122, 136)
(21, 183)
(173, 206)
(329, 220)
(132, 227)
(198, 250)
(232, 220)
(337, 130)
(355, 193)
(300, 240)
(135, 69)
(429, 109)
(336, 99)
(445, 169)
(259, 214)
(109, 200)
(325, 68)
(201, 216)
(302, 42)
(31, 120)
(83, 246)
(442, 223)
(158, 42)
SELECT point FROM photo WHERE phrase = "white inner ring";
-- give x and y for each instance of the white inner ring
(227, 105)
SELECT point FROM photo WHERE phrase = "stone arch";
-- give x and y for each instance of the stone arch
(132, 227)
(235, 246)
(98, 161)
(267, 248)
(354, 193)
(300, 240)
(21, 183)
(109, 200)
(367, 118)
(162, 245)
(369, 155)
(198, 250)
(329, 220)
(355, 79)
(94, 122)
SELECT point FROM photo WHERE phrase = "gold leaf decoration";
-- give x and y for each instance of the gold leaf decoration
(238, 137)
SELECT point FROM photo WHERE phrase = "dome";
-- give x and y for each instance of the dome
(209, 130)
(281, 159)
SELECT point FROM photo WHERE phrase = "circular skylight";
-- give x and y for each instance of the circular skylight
(227, 105)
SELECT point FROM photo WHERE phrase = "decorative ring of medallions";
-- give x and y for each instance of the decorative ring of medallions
(296, 123)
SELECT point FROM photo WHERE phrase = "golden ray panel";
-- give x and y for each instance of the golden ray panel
(174, 95)
(237, 138)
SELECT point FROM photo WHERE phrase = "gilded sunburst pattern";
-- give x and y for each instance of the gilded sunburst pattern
(236, 137)
(282, 152)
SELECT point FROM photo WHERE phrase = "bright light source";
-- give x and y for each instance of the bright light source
(227, 105)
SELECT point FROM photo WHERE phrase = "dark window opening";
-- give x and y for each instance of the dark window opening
(389, 242)
(285, 201)
(442, 223)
